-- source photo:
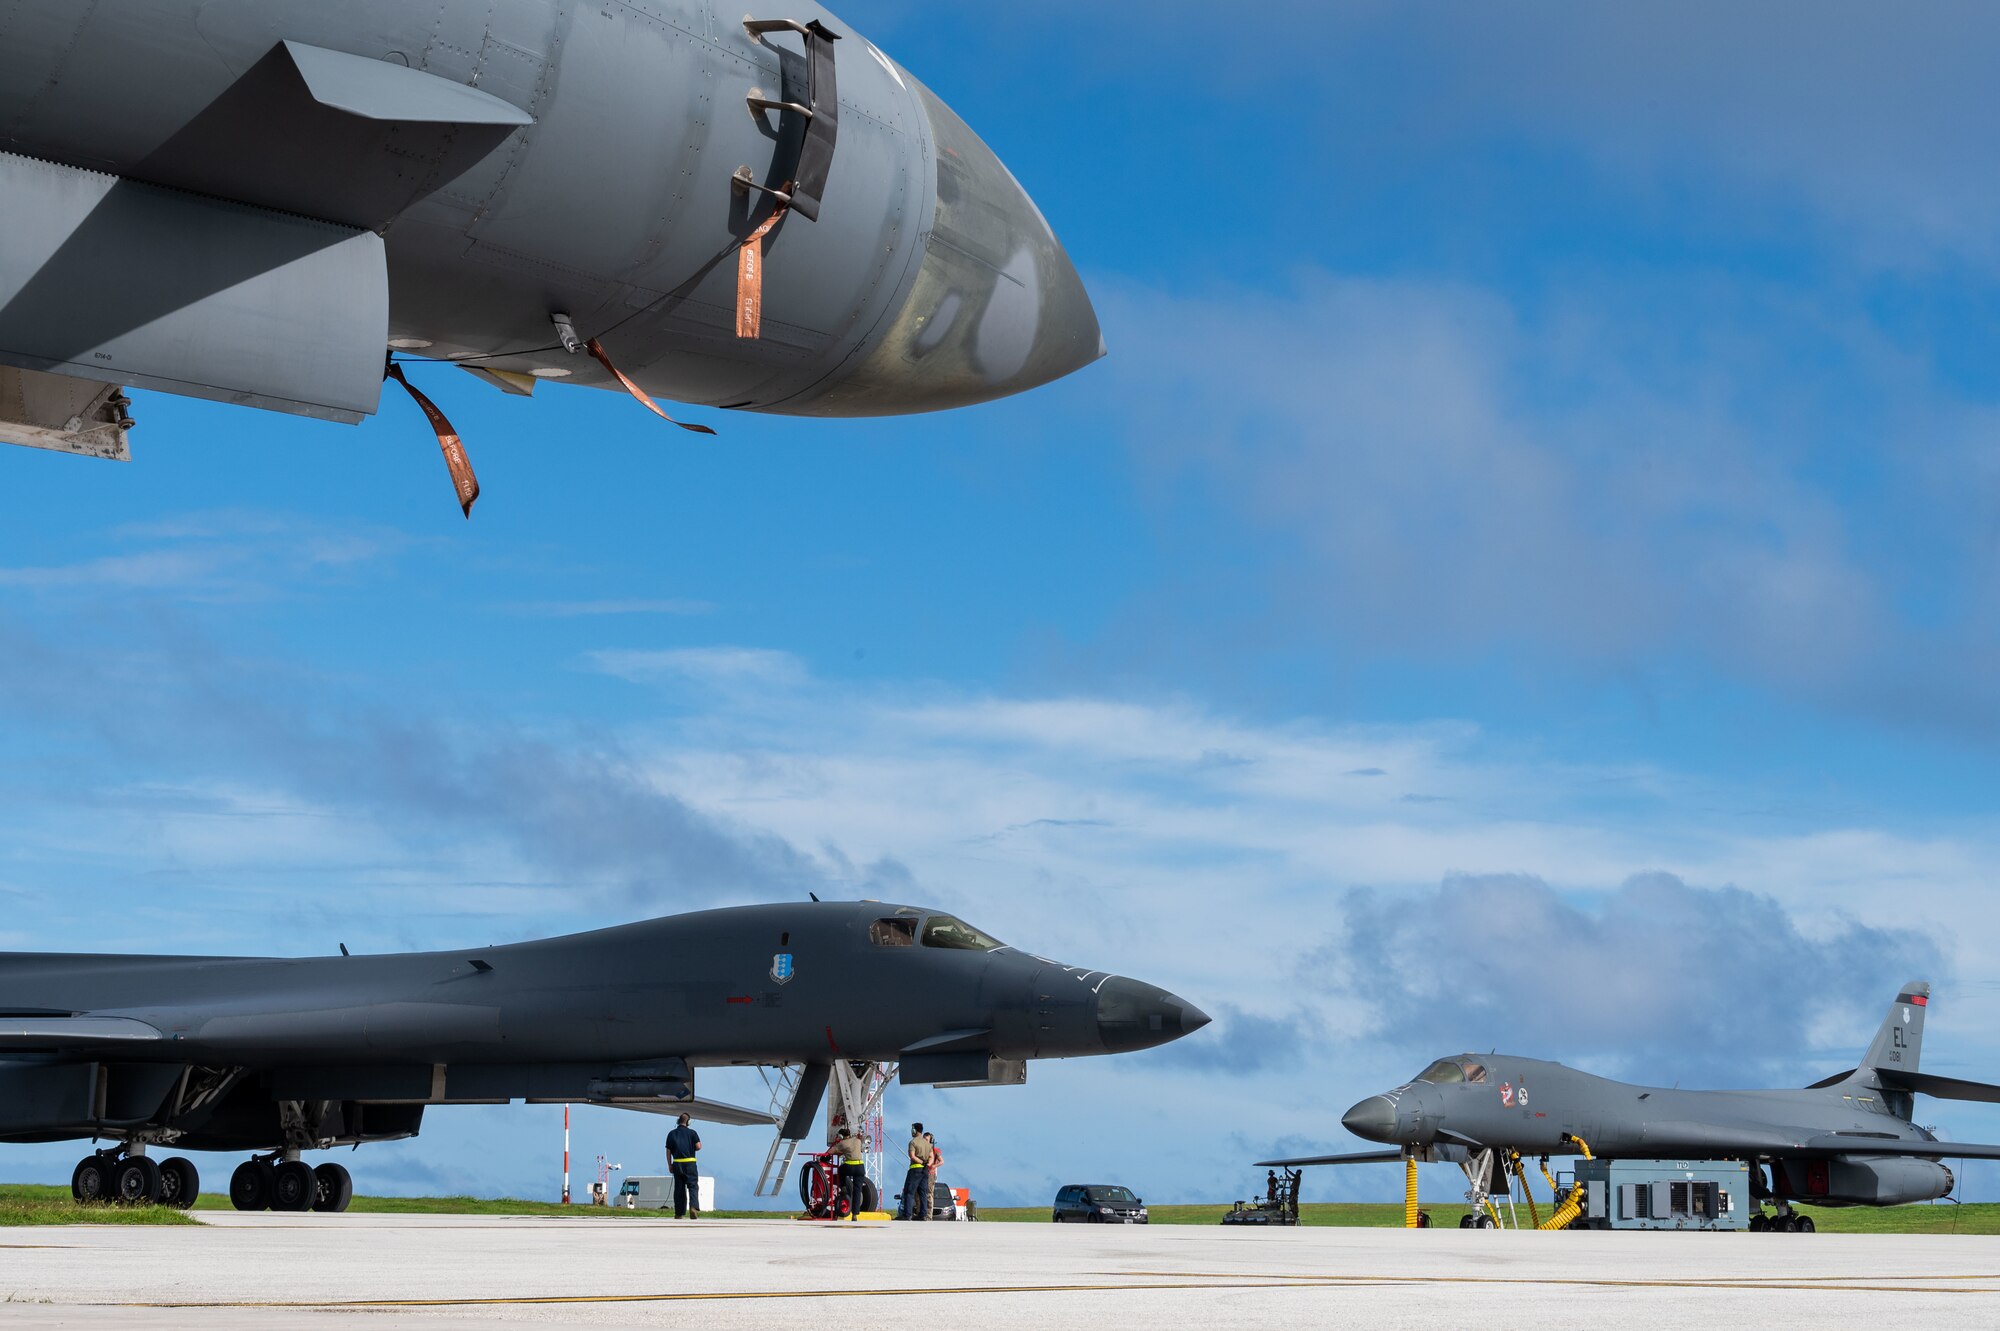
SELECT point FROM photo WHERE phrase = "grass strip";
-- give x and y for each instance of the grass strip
(36, 1204)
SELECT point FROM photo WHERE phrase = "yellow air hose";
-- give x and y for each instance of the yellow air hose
(1514, 1163)
(1409, 1192)
(1572, 1205)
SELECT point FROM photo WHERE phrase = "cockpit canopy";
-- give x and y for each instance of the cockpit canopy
(940, 931)
(1452, 1071)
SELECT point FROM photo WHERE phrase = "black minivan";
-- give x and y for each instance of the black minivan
(1100, 1204)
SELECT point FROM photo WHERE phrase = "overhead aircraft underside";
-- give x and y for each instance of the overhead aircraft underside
(257, 204)
(197, 1108)
(279, 1114)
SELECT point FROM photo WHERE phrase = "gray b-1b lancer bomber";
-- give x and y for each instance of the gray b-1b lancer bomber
(249, 200)
(284, 1056)
(1845, 1141)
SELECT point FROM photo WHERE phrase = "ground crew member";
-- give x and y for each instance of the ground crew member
(852, 1152)
(682, 1145)
(917, 1180)
(937, 1162)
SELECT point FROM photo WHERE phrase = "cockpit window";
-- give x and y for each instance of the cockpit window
(893, 932)
(946, 931)
(1451, 1071)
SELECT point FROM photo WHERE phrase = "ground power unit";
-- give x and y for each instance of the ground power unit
(1665, 1194)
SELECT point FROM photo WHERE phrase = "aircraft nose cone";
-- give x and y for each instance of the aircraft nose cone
(1374, 1118)
(996, 308)
(1134, 1015)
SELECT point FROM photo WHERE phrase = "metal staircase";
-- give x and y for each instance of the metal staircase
(784, 1087)
(856, 1099)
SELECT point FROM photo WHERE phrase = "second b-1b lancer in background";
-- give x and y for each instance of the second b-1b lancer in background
(1847, 1141)
(250, 200)
(282, 1056)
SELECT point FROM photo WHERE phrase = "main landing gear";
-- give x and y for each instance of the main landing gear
(272, 1183)
(129, 1176)
(1786, 1221)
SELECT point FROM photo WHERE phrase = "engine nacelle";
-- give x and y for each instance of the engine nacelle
(1864, 1180)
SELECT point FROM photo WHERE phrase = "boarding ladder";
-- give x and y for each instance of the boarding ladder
(784, 1088)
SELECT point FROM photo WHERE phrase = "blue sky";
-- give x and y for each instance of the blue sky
(1543, 488)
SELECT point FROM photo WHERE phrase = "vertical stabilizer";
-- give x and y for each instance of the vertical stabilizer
(1900, 1042)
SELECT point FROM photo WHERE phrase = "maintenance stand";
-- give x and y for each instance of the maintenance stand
(1280, 1204)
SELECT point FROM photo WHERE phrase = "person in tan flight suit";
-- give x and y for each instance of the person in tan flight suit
(853, 1169)
(917, 1180)
(937, 1163)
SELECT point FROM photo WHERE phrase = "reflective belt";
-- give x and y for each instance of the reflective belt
(683, 1161)
(917, 1164)
(852, 1162)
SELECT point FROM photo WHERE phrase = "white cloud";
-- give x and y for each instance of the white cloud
(224, 556)
(1191, 848)
(1018, 808)
(1434, 476)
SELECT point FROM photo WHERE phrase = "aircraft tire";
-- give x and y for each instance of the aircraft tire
(1806, 1225)
(1423, 1220)
(871, 1196)
(91, 1180)
(292, 1186)
(135, 1180)
(250, 1186)
(1465, 1222)
(180, 1183)
(333, 1188)
(1758, 1224)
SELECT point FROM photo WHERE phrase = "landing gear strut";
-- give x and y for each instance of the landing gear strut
(1480, 1168)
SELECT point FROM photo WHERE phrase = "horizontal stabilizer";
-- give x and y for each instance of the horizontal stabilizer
(74, 1032)
(1849, 1144)
(1356, 1158)
(1943, 1088)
